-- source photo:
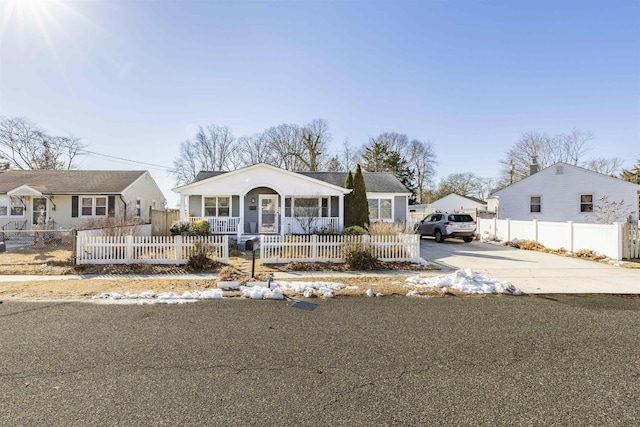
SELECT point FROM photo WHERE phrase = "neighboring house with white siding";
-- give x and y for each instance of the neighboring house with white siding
(562, 192)
(455, 202)
(264, 199)
(69, 198)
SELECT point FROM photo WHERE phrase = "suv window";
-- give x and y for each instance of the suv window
(460, 218)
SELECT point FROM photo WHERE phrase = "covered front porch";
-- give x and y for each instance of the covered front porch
(263, 199)
(263, 211)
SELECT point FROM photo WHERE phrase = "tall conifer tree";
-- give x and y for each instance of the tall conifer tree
(360, 204)
(348, 201)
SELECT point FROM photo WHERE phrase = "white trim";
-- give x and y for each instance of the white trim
(266, 184)
(217, 205)
(275, 197)
(93, 206)
(30, 191)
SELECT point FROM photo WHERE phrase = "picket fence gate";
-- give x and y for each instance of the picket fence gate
(149, 249)
(330, 248)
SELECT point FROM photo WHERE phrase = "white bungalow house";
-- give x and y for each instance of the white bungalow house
(69, 198)
(263, 199)
(456, 202)
(562, 192)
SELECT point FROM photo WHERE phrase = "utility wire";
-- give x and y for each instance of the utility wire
(165, 168)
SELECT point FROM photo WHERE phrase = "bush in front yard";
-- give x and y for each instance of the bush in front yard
(199, 258)
(360, 257)
(200, 227)
(355, 230)
(179, 227)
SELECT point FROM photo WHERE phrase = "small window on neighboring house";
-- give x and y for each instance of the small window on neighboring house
(138, 208)
(154, 204)
(101, 206)
(535, 205)
(93, 205)
(586, 203)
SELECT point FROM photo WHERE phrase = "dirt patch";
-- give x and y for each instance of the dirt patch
(51, 261)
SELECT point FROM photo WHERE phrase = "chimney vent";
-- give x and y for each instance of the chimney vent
(534, 166)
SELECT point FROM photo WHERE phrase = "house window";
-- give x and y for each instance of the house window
(217, 206)
(305, 207)
(93, 206)
(380, 209)
(11, 206)
(586, 203)
(138, 208)
(535, 204)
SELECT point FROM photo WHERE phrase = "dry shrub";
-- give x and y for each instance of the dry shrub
(113, 227)
(360, 257)
(386, 228)
(589, 254)
(528, 245)
(227, 273)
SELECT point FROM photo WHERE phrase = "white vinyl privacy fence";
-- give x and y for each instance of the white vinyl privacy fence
(330, 248)
(612, 240)
(176, 250)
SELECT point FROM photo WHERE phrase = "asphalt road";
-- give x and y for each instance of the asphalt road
(532, 271)
(486, 360)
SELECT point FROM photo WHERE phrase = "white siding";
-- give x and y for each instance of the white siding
(147, 190)
(560, 194)
(455, 202)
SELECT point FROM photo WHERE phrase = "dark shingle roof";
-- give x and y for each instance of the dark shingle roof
(376, 182)
(69, 181)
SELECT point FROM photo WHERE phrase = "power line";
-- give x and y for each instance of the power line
(166, 168)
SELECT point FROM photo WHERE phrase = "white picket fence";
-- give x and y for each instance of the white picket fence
(612, 240)
(148, 249)
(329, 248)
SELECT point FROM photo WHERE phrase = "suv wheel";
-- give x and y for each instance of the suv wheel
(467, 239)
(438, 235)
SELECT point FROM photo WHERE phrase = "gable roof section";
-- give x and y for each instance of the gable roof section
(69, 181)
(215, 175)
(375, 182)
(473, 199)
(551, 169)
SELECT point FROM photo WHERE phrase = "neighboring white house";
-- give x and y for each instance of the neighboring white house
(263, 199)
(455, 202)
(68, 198)
(562, 192)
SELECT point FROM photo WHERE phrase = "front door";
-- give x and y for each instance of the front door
(39, 215)
(268, 215)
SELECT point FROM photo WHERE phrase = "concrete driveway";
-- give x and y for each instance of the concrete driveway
(532, 272)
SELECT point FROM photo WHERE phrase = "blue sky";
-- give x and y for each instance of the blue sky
(133, 79)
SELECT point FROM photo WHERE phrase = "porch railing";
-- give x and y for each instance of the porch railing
(220, 225)
(311, 225)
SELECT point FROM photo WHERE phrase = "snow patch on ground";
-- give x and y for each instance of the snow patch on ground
(150, 297)
(465, 280)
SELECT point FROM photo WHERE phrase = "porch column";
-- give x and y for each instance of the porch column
(281, 212)
(182, 206)
(240, 230)
(341, 212)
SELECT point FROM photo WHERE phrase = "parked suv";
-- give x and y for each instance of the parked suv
(442, 225)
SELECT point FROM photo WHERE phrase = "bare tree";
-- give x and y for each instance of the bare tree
(210, 150)
(315, 138)
(607, 211)
(252, 150)
(607, 166)
(422, 161)
(284, 141)
(23, 145)
(546, 150)
(464, 184)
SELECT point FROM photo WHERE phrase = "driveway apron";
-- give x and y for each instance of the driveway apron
(532, 272)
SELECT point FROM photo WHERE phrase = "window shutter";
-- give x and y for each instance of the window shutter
(112, 206)
(74, 206)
